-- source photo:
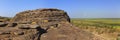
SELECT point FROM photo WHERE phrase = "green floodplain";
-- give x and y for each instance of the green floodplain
(104, 27)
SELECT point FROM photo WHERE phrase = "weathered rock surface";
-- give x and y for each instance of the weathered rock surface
(28, 26)
(3, 24)
(43, 24)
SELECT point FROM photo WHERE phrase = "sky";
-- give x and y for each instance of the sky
(74, 8)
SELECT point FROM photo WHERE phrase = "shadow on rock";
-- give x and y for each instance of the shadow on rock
(41, 31)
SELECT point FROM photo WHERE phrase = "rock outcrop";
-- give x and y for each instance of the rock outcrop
(43, 24)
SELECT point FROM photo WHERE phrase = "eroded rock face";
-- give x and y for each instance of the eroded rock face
(39, 15)
(42, 17)
(43, 24)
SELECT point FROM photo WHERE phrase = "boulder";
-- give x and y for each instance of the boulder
(2, 24)
(12, 24)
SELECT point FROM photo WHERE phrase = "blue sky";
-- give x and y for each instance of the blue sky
(75, 8)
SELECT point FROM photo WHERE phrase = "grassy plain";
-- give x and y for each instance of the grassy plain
(105, 27)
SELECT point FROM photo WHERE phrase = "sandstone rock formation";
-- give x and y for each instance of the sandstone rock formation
(43, 24)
